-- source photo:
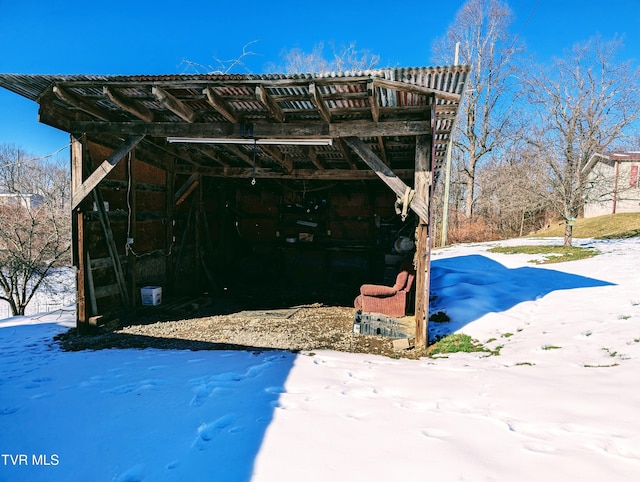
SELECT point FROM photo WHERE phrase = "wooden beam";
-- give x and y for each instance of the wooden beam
(77, 173)
(284, 160)
(423, 179)
(221, 105)
(79, 103)
(317, 174)
(313, 155)
(346, 153)
(269, 103)
(389, 177)
(318, 101)
(298, 130)
(207, 152)
(101, 171)
(372, 93)
(186, 188)
(383, 151)
(174, 105)
(415, 89)
(129, 106)
(239, 153)
(78, 238)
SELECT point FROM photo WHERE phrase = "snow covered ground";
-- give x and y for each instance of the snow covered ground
(560, 402)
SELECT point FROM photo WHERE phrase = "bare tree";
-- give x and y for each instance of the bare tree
(35, 228)
(341, 58)
(511, 192)
(222, 66)
(584, 103)
(481, 27)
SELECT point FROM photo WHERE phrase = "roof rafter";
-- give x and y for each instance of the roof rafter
(313, 155)
(372, 93)
(173, 104)
(415, 89)
(318, 101)
(221, 105)
(130, 106)
(282, 159)
(79, 103)
(269, 103)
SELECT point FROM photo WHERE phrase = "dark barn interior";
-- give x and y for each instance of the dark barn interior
(248, 190)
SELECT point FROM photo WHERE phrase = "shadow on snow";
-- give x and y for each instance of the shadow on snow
(122, 414)
(468, 287)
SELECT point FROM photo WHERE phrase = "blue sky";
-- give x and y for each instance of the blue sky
(154, 37)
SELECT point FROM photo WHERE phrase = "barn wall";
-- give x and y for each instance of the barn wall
(134, 197)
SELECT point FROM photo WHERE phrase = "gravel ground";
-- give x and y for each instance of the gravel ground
(304, 328)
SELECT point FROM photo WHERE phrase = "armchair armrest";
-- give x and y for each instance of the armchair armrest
(377, 290)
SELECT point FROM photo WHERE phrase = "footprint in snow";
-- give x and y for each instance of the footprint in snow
(207, 432)
(134, 474)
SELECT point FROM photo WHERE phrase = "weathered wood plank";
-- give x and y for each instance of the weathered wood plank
(415, 89)
(372, 94)
(320, 174)
(422, 181)
(276, 154)
(101, 171)
(269, 103)
(318, 101)
(389, 177)
(298, 130)
(80, 103)
(313, 155)
(221, 105)
(186, 188)
(174, 105)
(127, 105)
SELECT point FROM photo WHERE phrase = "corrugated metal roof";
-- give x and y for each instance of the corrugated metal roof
(379, 97)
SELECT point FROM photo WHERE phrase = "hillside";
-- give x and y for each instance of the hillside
(624, 225)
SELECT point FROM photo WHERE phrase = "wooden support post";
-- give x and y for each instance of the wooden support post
(423, 181)
(77, 234)
(169, 226)
(131, 230)
(91, 288)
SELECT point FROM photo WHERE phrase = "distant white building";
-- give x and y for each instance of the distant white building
(29, 201)
(613, 184)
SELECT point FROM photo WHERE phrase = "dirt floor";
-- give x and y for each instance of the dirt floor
(300, 328)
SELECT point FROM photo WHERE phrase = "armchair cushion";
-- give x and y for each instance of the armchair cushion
(378, 290)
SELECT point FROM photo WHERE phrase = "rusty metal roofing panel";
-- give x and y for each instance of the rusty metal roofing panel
(448, 79)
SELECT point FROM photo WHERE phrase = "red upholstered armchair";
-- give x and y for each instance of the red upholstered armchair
(387, 300)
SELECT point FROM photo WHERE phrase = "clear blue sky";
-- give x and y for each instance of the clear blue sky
(154, 37)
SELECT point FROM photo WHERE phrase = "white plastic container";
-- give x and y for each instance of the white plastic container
(151, 295)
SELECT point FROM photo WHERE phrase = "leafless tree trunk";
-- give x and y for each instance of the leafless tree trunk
(481, 29)
(584, 103)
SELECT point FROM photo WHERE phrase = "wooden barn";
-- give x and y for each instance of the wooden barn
(267, 188)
